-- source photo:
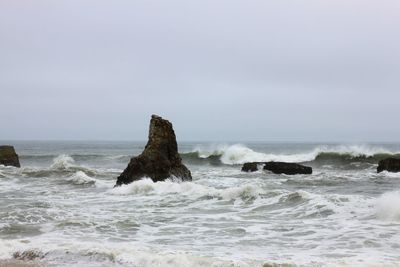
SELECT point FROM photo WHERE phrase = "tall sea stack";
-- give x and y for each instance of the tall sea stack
(8, 157)
(160, 159)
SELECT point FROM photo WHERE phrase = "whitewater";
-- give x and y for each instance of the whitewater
(61, 207)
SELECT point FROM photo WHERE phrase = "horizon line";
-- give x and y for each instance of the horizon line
(211, 141)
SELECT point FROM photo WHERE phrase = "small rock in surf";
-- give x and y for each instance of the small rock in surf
(250, 167)
(287, 168)
(160, 159)
(389, 164)
(8, 157)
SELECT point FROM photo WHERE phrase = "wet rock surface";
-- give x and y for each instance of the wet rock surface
(389, 164)
(287, 168)
(250, 167)
(8, 157)
(160, 159)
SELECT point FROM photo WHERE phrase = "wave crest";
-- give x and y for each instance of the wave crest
(239, 154)
(62, 162)
(63, 165)
(80, 178)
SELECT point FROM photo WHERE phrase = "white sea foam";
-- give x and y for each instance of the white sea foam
(139, 187)
(80, 178)
(189, 189)
(109, 254)
(390, 174)
(368, 262)
(62, 162)
(93, 254)
(387, 206)
(238, 153)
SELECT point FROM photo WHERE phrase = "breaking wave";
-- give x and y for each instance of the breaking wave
(239, 154)
(62, 162)
(81, 178)
(64, 166)
(193, 190)
(78, 157)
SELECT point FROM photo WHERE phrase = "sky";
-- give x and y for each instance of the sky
(219, 70)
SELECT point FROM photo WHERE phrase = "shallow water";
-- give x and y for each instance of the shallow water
(62, 206)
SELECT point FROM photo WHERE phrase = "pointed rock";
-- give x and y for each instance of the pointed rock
(8, 157)
(160, 159)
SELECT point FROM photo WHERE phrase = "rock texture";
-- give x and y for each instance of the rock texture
(8, 157)
(389, 164)
(287, 168)
(250, 167)
(160, 159)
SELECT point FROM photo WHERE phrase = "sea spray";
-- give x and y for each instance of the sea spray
(62, 162)
(388, 206)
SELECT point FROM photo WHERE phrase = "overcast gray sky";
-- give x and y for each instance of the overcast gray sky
(220, 70)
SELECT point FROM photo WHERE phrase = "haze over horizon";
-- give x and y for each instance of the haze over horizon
(219, 71)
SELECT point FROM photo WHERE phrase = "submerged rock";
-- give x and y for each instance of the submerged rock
(389, 164)
(250, 167)
(28, 255)
(287, 168)
(160, 159)
(8, 157)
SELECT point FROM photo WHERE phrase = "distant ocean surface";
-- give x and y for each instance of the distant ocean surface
(61, 207)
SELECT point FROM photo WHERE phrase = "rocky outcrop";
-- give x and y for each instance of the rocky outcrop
(160, 159)
(250, 167)
(389, 164)
(287, 168)
(8, 157)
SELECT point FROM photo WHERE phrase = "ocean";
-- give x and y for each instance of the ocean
(61, 208)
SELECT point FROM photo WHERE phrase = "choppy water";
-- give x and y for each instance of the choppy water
(62, 207)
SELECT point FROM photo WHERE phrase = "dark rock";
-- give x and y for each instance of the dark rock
(287, 168)
(389, 164)
(250, 167)
(28, 255)
(8, 157)
(160, 159)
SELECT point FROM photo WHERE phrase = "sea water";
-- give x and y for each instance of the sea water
(61, 208)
